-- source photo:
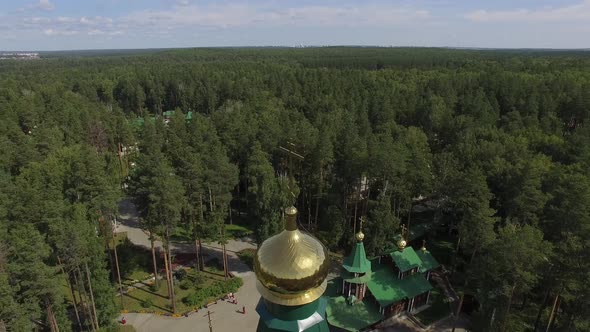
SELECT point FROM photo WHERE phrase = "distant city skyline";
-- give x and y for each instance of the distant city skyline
(113, 24)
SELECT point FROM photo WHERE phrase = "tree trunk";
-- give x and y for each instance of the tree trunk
(172, 299)
(549, 323)
(51, 319)
(524, 301)
(156, 281)
(473, 255)
(507, 317)
(230, 217)
(458, 312)
(201, 211)
(308, 206)
(223, 252)
(225, 267)
(346, 208)
(91, 295)
(118, 273)
(119, 155)
(239, 198)
(167, 271)
(409, 220)
(71, 292)
(83, 296)
(210, 200)
(196, 236)
(366, 209)
(317, 200)
(356, 202)
(541, 309)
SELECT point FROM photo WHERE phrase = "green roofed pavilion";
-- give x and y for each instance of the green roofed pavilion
(406, 259)
(388, 289)
(357, 261)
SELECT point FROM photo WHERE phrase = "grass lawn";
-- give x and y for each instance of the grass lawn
(119, 239)
(438, 309)
(237, 231)
(131, 278)
(148, 299)
(247, 256)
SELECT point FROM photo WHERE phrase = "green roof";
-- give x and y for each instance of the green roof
(406, 259)
(357, 261)
(388, 289)
(349, 317)
(349, 277)
(428, 261)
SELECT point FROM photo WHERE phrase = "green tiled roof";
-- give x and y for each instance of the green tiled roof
(349, 277)
(349, 317)
(388, 289)
(357, 260)
(428, 261)
(406, 260)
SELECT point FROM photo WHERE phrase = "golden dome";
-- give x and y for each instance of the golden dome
(401, 244)
(291, 266)
(360, 236)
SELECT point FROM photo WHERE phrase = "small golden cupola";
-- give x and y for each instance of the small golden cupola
(292, 266)
(360, 236)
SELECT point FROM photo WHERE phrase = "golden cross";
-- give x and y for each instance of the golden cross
(290, 154)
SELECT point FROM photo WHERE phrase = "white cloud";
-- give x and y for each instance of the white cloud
(577, 12)
(234, 15)
(54, 32)
(66, 25)
(45, 5)
(96, 32)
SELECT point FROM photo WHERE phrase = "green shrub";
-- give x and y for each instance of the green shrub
(214, 291)
(155, 286)
(192, 299)
(147, 303)
(185, 284)
(247, 256)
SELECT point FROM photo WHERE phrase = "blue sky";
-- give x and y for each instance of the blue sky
(99, 24)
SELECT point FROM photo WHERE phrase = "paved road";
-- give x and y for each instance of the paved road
(225, 315)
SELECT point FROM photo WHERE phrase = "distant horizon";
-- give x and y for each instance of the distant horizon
(53, 25)
(474, 48)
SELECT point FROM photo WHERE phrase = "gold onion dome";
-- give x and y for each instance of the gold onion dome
(291, 267)
(360, 236)
(401, 244)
